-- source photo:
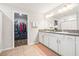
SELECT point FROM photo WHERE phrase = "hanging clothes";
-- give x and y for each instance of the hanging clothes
(21, 27)
(24, 27)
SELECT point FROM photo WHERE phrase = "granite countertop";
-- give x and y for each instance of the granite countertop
(62, 33)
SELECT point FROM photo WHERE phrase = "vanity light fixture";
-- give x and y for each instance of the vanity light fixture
(49, 15)
(66, 8)
(63, 9)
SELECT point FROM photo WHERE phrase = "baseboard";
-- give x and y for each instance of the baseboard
(6, 49)
(31, 44)
(50, 49)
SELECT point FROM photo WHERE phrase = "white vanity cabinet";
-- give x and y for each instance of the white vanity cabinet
(61, 43)
(77, 46)
(46, 40)
(60, 37)
(41, 37)
(67, 45)
(53, 42)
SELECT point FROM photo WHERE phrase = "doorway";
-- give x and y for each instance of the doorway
(20, 29)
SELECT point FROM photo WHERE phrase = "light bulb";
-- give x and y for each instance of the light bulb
(66, 7)
(49, 15)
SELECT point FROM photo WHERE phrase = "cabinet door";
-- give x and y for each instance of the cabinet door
(46, 39)
(41, 37)
(53, 42)
(60, 37)
(68, 46)
(77, 46)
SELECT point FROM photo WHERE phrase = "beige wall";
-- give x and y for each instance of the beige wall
(8, 25)
(0, 30)
(7, 40)
(33, 32)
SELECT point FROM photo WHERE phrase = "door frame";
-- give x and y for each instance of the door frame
(19, 11)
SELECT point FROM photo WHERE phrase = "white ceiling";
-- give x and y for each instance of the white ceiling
(36, 7)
